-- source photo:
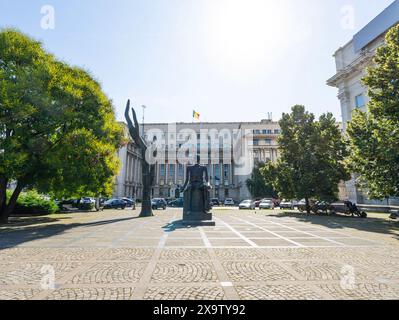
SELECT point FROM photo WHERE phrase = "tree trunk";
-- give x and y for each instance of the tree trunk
(8, 208)
(3, 192)
(307, 205)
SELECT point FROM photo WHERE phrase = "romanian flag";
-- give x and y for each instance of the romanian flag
(196, 115)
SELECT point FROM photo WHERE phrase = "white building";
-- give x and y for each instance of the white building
(352, 61)
(129, 180)
(217, 143)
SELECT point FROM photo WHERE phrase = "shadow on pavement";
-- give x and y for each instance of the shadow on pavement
(371, 224)
(18, 232)
(176, 225)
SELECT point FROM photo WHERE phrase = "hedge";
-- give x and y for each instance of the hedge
(32, 203)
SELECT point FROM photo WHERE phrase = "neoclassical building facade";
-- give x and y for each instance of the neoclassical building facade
(128, 183)
(228, 149)
(352, 61)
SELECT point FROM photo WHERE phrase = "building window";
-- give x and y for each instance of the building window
(256, 142)
(276, 131)
(180, 171)
(208, 167)
(216, 170)
(226, 171)
(171, 170)
(162, 170)
(256, 131)
(268, 141)
(360, 103)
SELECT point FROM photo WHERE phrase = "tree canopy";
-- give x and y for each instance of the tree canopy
(58, 131)
(311, 157)
(374, 136)
(257, 185)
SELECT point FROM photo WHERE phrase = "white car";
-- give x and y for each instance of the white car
(287, 204)
(247, 205)
(229, 202)
(266, 204)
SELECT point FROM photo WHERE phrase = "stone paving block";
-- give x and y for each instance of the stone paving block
(110, 273)
(127, 254)
(184, 293)
(361, 291)
(184, 272)
(237, 242)
(184, 243)
(184, 254)
(92, 294)
(273, 243)
(32, 273)
(278, 292)
(18, 294)
(240, 254)
(253, 271)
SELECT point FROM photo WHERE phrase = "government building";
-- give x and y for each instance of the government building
(351, 61)
(228, 149)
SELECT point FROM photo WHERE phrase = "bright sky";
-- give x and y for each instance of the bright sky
(230, 60)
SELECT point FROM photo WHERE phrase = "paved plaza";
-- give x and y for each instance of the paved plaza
(248, 255)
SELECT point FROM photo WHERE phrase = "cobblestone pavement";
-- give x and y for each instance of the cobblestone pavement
(248, 255)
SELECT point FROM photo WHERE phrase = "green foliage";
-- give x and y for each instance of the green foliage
(85, 206)
(374, 136)
(257, 185)
(31, 202)
(312, 153)
(58, 128)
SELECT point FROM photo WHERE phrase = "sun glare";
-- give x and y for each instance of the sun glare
(245, 34)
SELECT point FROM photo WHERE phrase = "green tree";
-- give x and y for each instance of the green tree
(57, 128)
(257, 185)
(312, 154)
(374, 136)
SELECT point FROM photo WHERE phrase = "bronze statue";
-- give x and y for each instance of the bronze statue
(147, 169)
(196, 190)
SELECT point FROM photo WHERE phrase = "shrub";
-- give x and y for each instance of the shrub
(31, 202)
(86, 206)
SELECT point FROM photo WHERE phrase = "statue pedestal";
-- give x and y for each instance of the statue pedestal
(198, 223)
(195, 211)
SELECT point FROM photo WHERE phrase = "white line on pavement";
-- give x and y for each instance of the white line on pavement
(253, 244)
(264, 229)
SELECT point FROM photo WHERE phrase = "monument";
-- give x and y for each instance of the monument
(196, 189)
(147, 169)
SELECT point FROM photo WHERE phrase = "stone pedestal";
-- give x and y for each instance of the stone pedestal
(196, 210)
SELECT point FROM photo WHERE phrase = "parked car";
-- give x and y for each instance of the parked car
(266, 204)
(115, 204)
(257, 202)
(229, 202)
(87, 200)
(247, 205)
(215, 202)
(158, 203)
(287, 204)
(302, 205)
(178, 203)
(130, 203)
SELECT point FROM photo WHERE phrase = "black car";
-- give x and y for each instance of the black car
(115, 204)
(130, 203)
(215, 202)
(178, 203)
(158, 203)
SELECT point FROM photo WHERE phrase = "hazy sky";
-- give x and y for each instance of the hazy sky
(230, 60)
